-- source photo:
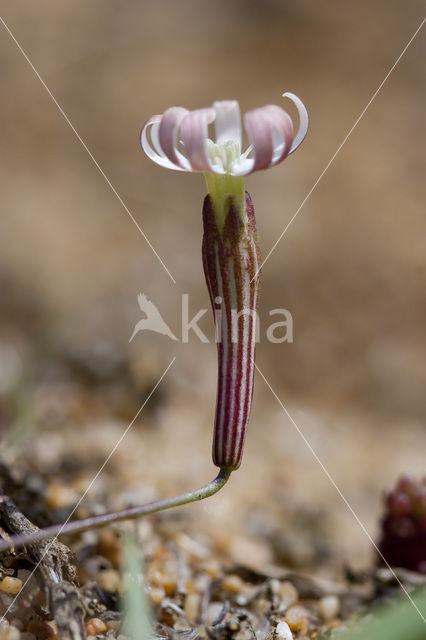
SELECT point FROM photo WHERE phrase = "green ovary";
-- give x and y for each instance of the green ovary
(221, 186)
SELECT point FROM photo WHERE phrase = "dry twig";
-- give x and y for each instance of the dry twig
(57, 567)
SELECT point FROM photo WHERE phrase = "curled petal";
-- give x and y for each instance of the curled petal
(168, 136)
(154, 151)
(270, 131)
(194, 132)
(259, 130)
(303, 120)
(228, 121)
(282, 132)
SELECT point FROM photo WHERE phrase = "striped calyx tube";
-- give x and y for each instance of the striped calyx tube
(231, 260)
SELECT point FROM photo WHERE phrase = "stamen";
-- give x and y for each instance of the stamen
(223, 155)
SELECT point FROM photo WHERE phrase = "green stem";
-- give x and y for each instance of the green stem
(127, 514)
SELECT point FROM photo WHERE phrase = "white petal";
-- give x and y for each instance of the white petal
(168, 136)
(303, 120)
(155, 138)
(152, 153)
(228, 121)
(243, 167)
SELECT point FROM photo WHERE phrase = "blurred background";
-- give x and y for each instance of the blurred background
(351, 268)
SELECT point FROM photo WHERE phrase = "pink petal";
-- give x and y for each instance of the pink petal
(282, 127)
(168, 135)
(194, 131)
(259, 130)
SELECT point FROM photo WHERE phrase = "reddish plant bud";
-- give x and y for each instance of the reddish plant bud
(407, 484)
(403, 542)
(231, 260)
(398, 503)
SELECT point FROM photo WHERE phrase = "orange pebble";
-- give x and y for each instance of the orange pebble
(95, 626)
(297, 619)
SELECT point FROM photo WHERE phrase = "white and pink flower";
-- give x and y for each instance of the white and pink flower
(179, 139)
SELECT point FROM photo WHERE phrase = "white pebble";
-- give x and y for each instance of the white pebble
(289, 595)
(283, 631)
(329, 607)
(213, 612)
(11, 633)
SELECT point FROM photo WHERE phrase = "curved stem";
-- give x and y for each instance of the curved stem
(92, 522)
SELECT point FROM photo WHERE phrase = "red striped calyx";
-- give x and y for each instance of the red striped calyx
(231, 260)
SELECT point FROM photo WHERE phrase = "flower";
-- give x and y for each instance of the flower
(179, 139)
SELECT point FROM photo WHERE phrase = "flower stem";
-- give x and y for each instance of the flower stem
(131, 513)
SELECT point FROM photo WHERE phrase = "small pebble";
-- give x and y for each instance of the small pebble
(213, 569)
(157, 595)
(10, 633)
(234, 625)
(233, 584)
(275, 586)
(169, 585)
(283, 631)
(288, 594)
(90, 569)
(108, 580)
(109, 545)
(95, 626)
(194, 549)
(192, 606)
(298, 619)
(329, 607)
(249, 552)
(191, 586)
(213, 612)
(40, 628)
(55, 632)
(59, 496)
(11, 585)
(15, 622)
(263, 606)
